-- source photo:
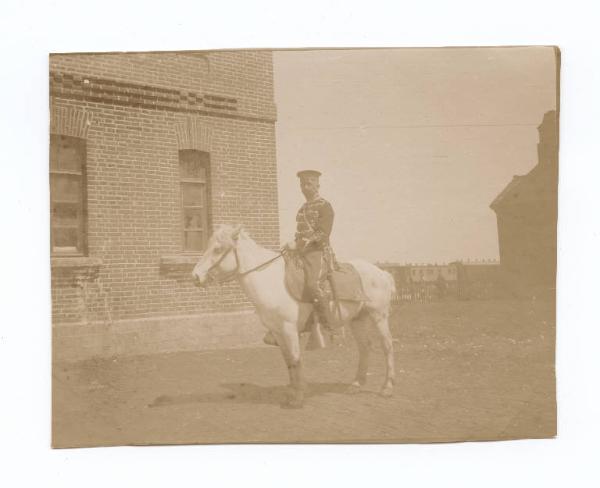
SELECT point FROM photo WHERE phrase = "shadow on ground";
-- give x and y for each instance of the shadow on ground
(248, 393)
(467, 370)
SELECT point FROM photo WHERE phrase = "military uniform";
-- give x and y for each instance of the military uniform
(314, 222)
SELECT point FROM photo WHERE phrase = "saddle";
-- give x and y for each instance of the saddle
(347, 282)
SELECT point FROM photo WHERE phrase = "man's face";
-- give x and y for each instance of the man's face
(309, 187)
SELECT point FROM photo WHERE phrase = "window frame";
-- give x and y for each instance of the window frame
(82, 226)
(204, 183)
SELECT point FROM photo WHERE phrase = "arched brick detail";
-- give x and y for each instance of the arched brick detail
(70, 121)
(193, 134)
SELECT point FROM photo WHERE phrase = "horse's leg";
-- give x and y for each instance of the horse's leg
(383, 328)
(289, 343)
(360, 330)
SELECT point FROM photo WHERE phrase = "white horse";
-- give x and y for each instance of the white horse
(232, 254)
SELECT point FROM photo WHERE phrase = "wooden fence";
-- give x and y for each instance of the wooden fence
(472, 283)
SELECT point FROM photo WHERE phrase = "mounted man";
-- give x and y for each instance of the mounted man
(360, 297)
(314, 222)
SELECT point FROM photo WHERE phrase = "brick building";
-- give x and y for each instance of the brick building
(148, 153)
(527, 212)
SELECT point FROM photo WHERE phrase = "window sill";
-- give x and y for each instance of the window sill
(77, 267)
(180, 259)
(179, 266)
(75, 262)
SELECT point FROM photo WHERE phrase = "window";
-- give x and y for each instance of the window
(194, 175)
(67, 195)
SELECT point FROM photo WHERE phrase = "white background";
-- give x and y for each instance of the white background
(29, 30)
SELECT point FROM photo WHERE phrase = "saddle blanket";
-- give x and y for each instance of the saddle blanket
(348, 284)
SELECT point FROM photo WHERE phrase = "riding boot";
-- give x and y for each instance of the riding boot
(324, 313)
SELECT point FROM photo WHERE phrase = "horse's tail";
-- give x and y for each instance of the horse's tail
(392, 283)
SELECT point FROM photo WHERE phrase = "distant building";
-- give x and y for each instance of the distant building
(430, 273)
(420, 273)
(527, 212)
(459, 280)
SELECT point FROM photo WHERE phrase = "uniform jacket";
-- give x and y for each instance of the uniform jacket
(314, 222)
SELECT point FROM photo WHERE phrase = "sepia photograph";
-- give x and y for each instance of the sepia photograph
(303, 245)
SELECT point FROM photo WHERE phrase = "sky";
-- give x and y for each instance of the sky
(413, 144)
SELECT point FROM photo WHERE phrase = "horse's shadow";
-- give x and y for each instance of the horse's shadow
(247, 393)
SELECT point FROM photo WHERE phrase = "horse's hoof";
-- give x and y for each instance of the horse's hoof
(387, 392)
(354, 388)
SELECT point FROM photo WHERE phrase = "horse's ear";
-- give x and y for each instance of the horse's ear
(236, 232)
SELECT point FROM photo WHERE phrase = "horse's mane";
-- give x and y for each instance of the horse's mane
(223, 234)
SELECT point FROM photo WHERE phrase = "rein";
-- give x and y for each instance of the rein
(236, 273)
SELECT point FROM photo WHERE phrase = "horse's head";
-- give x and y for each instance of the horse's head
(220, 257)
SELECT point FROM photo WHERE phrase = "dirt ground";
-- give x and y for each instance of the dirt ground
(472, 370)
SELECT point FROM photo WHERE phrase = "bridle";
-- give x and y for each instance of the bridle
(213, 275)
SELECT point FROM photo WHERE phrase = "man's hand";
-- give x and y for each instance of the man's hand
(290, 246)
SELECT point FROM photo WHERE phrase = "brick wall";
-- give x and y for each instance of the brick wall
(244, 75)
(133, 194)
